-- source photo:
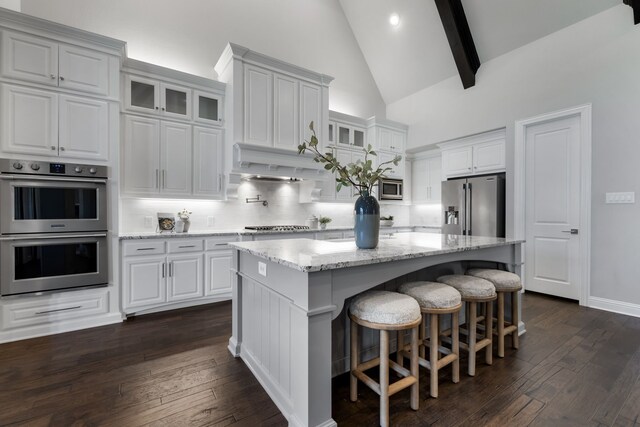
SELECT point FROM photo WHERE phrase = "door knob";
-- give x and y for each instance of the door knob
(572, 231)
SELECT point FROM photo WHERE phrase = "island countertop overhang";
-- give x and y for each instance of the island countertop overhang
(309, 255)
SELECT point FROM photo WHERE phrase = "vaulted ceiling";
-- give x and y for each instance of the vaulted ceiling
(415, 54)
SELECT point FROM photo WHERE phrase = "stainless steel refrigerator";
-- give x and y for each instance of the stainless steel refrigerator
(474, 206)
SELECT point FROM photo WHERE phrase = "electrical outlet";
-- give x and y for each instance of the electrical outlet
(262, 269)
(148, 221)
(210, 221)
(617, 198)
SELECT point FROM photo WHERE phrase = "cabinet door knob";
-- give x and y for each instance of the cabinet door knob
(53, 76)
(61, 78)
(53, 148)
(156, 108)
(61, 148)
(162, 108)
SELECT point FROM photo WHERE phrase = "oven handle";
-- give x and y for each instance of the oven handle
(55, 236)
(56, 179)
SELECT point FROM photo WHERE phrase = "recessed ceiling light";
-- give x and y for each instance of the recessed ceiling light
(394, 19)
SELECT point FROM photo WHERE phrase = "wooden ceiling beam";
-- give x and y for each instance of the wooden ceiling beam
(460, 40)
(635, 4)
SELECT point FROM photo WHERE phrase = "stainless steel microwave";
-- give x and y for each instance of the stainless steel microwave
(390, 189)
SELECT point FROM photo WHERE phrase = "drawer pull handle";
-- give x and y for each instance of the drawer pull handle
(221, 244)
(145, 249)
(59, 309)
(186, 246)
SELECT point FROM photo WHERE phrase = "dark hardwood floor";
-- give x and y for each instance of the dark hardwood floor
(576, 366)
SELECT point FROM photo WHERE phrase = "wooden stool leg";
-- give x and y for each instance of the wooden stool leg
(500, 324)
(455, 345)
(488, 324)
(399, 355)
(423, 335)
(433, 356)
(384, 378)
(515, 318)
(353, 386)
(415, 370)
(472, 329)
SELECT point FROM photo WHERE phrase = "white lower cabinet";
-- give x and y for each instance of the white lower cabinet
(182, 272)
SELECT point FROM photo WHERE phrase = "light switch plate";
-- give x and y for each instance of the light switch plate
(148, 221)
(262, 269)
(629, 197)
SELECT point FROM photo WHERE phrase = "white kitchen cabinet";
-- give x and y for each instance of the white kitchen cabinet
(151, 96)
(44, 61)
(144, 282)
(207, 162)
(141, 155)
(185, 279)
(218, 272)
(344, 157)
(310, 111)
(350, 136)
(259, 107)
(83, 128)
(473, 155)
(331, 135)
(41, 122)
(207, 108)
(286, 133)
(426, 179)
(175, 158)
(391, 140)
(396, 172)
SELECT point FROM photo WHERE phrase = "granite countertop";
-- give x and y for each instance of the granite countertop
(243, 232)
(316, 255)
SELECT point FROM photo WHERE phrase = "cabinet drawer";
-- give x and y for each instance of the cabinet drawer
(329, 235)
(185, 245)
(219, 243)
(31, 311)
(145, 247)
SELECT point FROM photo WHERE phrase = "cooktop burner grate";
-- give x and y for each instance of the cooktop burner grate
(276, 227)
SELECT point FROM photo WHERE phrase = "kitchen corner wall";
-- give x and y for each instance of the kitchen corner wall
(284, 208)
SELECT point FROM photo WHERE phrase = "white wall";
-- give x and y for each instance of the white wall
(10, 4)
(595, 61)
(283, 209)
(190, 35)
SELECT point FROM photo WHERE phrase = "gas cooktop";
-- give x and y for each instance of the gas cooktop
(276, 227)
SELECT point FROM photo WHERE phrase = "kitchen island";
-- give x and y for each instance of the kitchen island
(287, 292)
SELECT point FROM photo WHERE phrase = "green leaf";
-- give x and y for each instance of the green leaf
(314, 141)
(311, 126)
(328, 166)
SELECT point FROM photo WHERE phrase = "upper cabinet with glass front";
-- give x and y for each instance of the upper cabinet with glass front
(161, 92)
(346, 131)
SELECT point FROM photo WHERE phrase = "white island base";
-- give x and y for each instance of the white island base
(287, 292)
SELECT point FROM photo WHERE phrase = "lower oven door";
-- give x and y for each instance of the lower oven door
(40, 263)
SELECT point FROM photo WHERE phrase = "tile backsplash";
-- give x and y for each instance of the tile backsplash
(284, 208)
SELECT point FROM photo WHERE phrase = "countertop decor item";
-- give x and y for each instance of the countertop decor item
(166, 222)
(312, 221)
(386, 221)
(362, 177)
(183, 224)
(324, 220)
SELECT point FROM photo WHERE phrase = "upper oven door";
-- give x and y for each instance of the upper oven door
(46, 204)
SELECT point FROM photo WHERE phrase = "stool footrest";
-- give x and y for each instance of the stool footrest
(401, 385)
(369, 382)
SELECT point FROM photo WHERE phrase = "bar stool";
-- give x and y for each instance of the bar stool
(385, 311)
(505, 283)
(435, 300)
(474, 291)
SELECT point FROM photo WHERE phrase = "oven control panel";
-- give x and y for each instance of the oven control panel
(32, 167)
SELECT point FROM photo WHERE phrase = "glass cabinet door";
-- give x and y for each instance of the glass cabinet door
(358, 138)
(331, 139)
(176, 101)
(142, 94)
(344, 135)
(208, 108)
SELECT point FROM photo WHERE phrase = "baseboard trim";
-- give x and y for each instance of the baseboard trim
(614, 306)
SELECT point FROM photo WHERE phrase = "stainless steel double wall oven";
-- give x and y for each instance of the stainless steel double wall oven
(53, 226)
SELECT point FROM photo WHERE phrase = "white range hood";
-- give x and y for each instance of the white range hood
(249, 159)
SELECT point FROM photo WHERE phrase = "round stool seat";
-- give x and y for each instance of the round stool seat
(385, 308)
(502, 280)
(470, 287)
(432, 296)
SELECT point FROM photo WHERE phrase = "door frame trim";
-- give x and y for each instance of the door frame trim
(584, 113)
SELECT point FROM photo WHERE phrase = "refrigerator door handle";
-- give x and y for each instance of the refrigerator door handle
(463, 207)
(469, 209)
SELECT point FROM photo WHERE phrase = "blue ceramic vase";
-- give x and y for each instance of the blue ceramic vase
(367, 227)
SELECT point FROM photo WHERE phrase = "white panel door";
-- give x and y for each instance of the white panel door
(385, 139)
(175, 158)
(84, 70)
(286, 112)
(396, 171)
(218, 275)
(489, 157)
(434, 167)
(29, 58)
(420, 180)
(311, 104)
(258, 106)
(84, 128)
(552, 261)
(458, 161)
(345, 193)
(207, 161)
(185, 279)
(144, 282)
(29, 121)
(398, 141)
(141, 155)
